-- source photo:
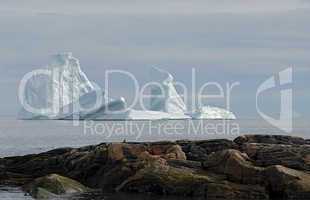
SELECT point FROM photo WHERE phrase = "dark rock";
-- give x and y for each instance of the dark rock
(216, 145)
(287, 183)
(166, 180)
(14, 179)
(292, 156)
(113, 175)
(185, 163)
(198, 150)
(270, 139)
(194, 152)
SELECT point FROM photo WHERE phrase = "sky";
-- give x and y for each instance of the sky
(223, 40)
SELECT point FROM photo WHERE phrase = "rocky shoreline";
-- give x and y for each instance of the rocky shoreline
(249, 167)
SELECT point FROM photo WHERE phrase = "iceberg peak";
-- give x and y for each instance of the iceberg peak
(67, 81)
(63, 83)
(61, 58)
(164, 96)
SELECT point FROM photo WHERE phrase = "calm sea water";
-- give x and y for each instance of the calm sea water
(18, 137)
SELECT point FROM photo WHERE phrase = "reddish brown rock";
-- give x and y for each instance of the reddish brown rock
(115, 152)
(235, 165)
(174, 152)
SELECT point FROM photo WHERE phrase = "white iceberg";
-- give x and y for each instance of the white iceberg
(62, 91)
(209, 112)
(164, 96)
(118, 111)
(67, 82)
(51, 89)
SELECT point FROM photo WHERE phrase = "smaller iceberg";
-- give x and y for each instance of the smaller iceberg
(209, 112)
(164, 96)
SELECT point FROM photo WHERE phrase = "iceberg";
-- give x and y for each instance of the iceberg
(62, 91)
(164, 96)
(67, 82)
(133, 114)
(209, 112)
(118, 111)
(55, 87)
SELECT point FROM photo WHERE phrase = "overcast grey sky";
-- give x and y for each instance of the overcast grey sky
(225, 40)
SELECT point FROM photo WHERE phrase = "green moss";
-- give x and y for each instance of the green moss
(174, 181)
(56, 185)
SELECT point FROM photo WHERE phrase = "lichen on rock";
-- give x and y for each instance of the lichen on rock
(52, 185)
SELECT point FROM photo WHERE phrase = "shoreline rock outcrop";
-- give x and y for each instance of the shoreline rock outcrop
(53, 186)
(250, 167)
